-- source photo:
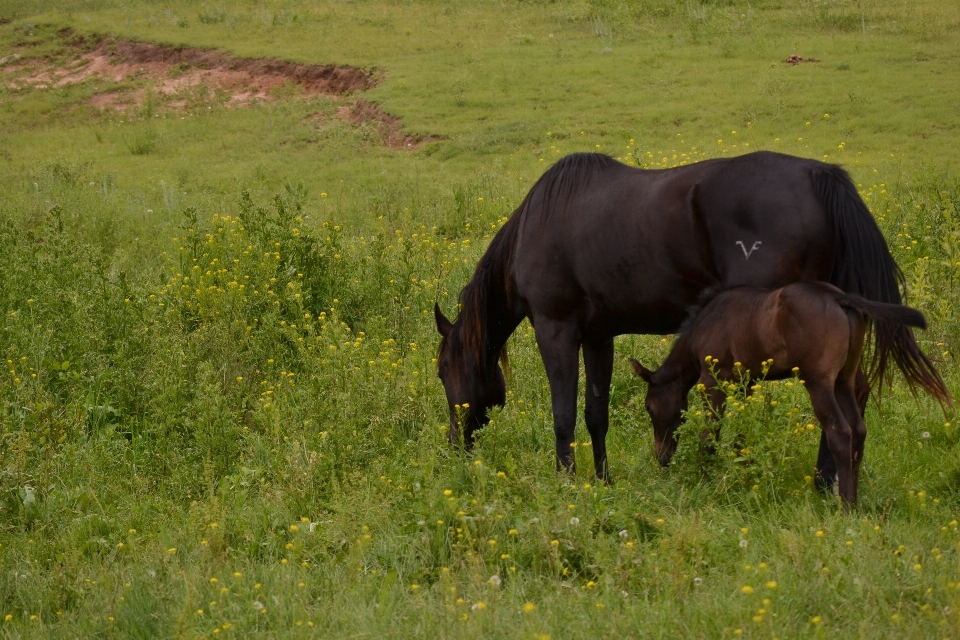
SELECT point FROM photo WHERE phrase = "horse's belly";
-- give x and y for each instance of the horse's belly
(653, 310)
(612, 292)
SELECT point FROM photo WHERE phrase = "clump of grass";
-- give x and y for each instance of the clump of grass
(212, 16)
(143, 142)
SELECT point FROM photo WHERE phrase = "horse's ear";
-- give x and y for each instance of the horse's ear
(641, 370)
(444, 326)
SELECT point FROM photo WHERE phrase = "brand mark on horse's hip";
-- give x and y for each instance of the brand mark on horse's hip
(746, 253)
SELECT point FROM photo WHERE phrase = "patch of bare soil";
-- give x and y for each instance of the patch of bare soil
(173, 70)
(386, 127)
(795, 60)
(182, 75)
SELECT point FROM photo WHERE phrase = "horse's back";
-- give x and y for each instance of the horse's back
(629, 250)
(739, 325)
(822, 335)
(623, 255)
(797, 325)
(765, 225)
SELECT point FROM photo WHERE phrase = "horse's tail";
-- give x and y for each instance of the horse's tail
(863, 266)
(895, 313)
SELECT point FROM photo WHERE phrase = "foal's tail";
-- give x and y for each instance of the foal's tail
(883, 311)
(863, 266)
(899, 316)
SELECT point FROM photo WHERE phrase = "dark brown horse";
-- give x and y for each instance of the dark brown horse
(810, 328)
(598, 249)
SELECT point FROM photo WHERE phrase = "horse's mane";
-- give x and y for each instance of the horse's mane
(491, 278)
(565, 179)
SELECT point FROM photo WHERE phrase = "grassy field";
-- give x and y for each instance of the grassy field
(219, 415)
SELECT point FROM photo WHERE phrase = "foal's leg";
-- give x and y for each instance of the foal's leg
(559, 344)
(846, 394)
(598, 361)
(838, 435)
(826, 475)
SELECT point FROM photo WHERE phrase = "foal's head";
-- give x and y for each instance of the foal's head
(666, 401)
(473, 383)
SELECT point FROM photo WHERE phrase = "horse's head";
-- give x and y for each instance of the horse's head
(473, 383)
(666, 401)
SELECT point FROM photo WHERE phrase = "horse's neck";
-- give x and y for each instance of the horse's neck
(488, 305)
(500, 324)
(682, 361)
(487, 320)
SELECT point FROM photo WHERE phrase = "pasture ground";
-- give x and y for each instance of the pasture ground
(219, 411)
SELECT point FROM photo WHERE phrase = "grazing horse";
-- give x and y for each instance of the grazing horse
(811, 328)
(599, 249)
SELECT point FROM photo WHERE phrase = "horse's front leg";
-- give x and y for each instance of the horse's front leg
(825, 477)
(598, 361)
(559, 344)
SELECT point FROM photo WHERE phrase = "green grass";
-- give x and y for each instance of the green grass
(216, 324)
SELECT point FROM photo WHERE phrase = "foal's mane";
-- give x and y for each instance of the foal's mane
(492, 282)
(705, 297)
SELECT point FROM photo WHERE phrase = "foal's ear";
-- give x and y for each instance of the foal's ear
(641, 370)
(444, 326)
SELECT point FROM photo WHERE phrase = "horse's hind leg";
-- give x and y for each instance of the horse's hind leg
(598, 361)
(838, 435)
(826, 475)
(559, 344)
(846, 394)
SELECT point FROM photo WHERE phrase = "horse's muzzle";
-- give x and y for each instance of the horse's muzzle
(664, 451)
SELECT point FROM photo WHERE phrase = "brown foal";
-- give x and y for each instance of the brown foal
(812, 327)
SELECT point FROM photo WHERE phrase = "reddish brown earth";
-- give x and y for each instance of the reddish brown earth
(173, 69)
(795, 60)
(361, 112)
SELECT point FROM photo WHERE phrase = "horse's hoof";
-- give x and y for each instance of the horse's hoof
(825, 484)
